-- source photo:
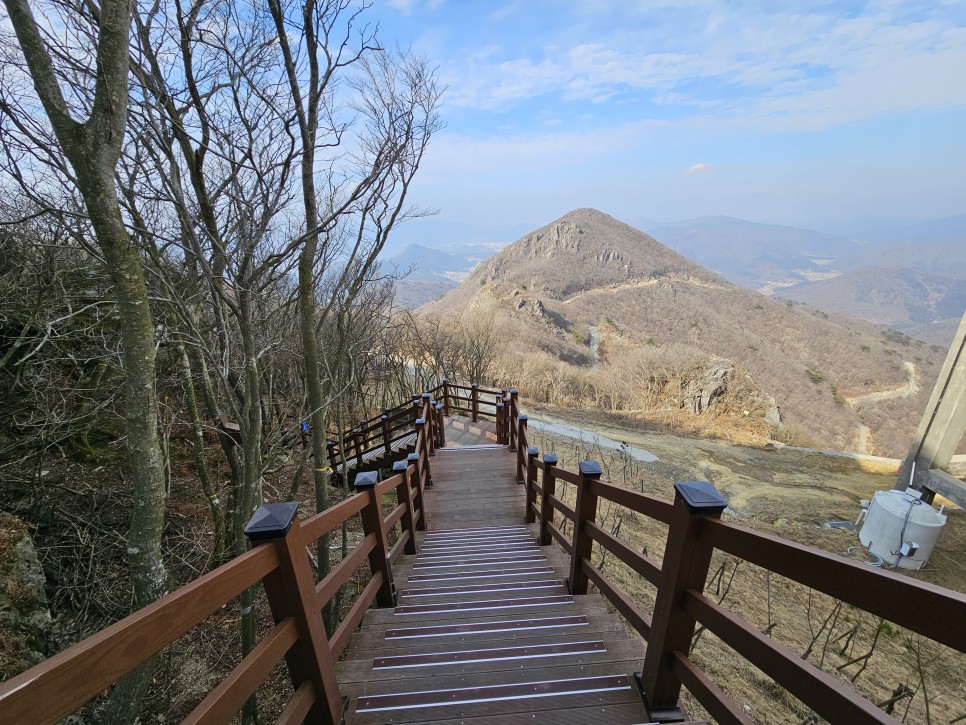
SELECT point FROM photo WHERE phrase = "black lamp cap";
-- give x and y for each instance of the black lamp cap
(533, 452)
(701, 497)
(589, 468)
(366, 479)
(550, 459)
(271, 521)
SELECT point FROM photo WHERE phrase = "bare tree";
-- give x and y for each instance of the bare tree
(92, 144)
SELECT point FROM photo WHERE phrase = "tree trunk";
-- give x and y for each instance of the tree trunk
(92, 148)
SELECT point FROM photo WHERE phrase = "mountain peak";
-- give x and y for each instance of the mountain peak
(586, 249)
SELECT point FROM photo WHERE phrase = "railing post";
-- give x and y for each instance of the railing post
(428, 417)
(386, 433)
(521, 452)
(505, 429)
(475, 395)
(357, 441)
(434, 411)
(514, 412)
(423, 454)
(291, 593)
(373, 522)
(413, 460)
(446, 397)
(500, 413)
(685, 566)
(586, 510)
(531, 484)
(404, 495)
(549, 489)
(441, 424)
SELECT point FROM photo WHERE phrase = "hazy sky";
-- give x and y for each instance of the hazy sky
(786, 112)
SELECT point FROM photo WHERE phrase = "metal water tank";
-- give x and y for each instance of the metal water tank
(901, 529)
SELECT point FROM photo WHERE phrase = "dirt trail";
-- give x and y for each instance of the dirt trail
(910, 387)
(643, 283)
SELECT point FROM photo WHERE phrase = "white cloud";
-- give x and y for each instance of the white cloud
(406, 7)
(697, 168)
(805, 69)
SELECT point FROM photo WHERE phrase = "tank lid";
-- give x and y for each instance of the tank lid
(898, 503)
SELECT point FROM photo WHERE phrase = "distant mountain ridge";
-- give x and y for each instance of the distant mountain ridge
(753, 254)
(923, 306)
(588, 272)
(886, 295)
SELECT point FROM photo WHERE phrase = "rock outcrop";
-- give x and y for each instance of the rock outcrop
(24, 614)
(702, 390)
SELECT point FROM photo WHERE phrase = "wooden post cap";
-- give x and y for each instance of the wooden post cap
(366, 479)
(590, 468)
(514, 391)
(701, 497)
(445, 380)
(420, 421)
(425, 396)
(474, 385)
(523, 417)
(412, 458)
(500, 405)
(550, 459)
(439, 406)
(533, 452)
(271, 521)
(401, 466)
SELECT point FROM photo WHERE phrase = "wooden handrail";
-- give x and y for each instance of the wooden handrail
(92, 665)
(64, 683)
(852, 582)
(692, 537)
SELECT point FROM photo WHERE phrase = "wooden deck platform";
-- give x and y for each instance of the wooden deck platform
(485, 629)
(460, 431)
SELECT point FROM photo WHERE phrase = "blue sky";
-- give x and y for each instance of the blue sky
(782, 112)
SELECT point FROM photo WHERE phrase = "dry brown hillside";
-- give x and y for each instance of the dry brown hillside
(596, 293)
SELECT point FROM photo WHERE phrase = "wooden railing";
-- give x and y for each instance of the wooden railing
(695, 531)
(376, 436)
(63, 684)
